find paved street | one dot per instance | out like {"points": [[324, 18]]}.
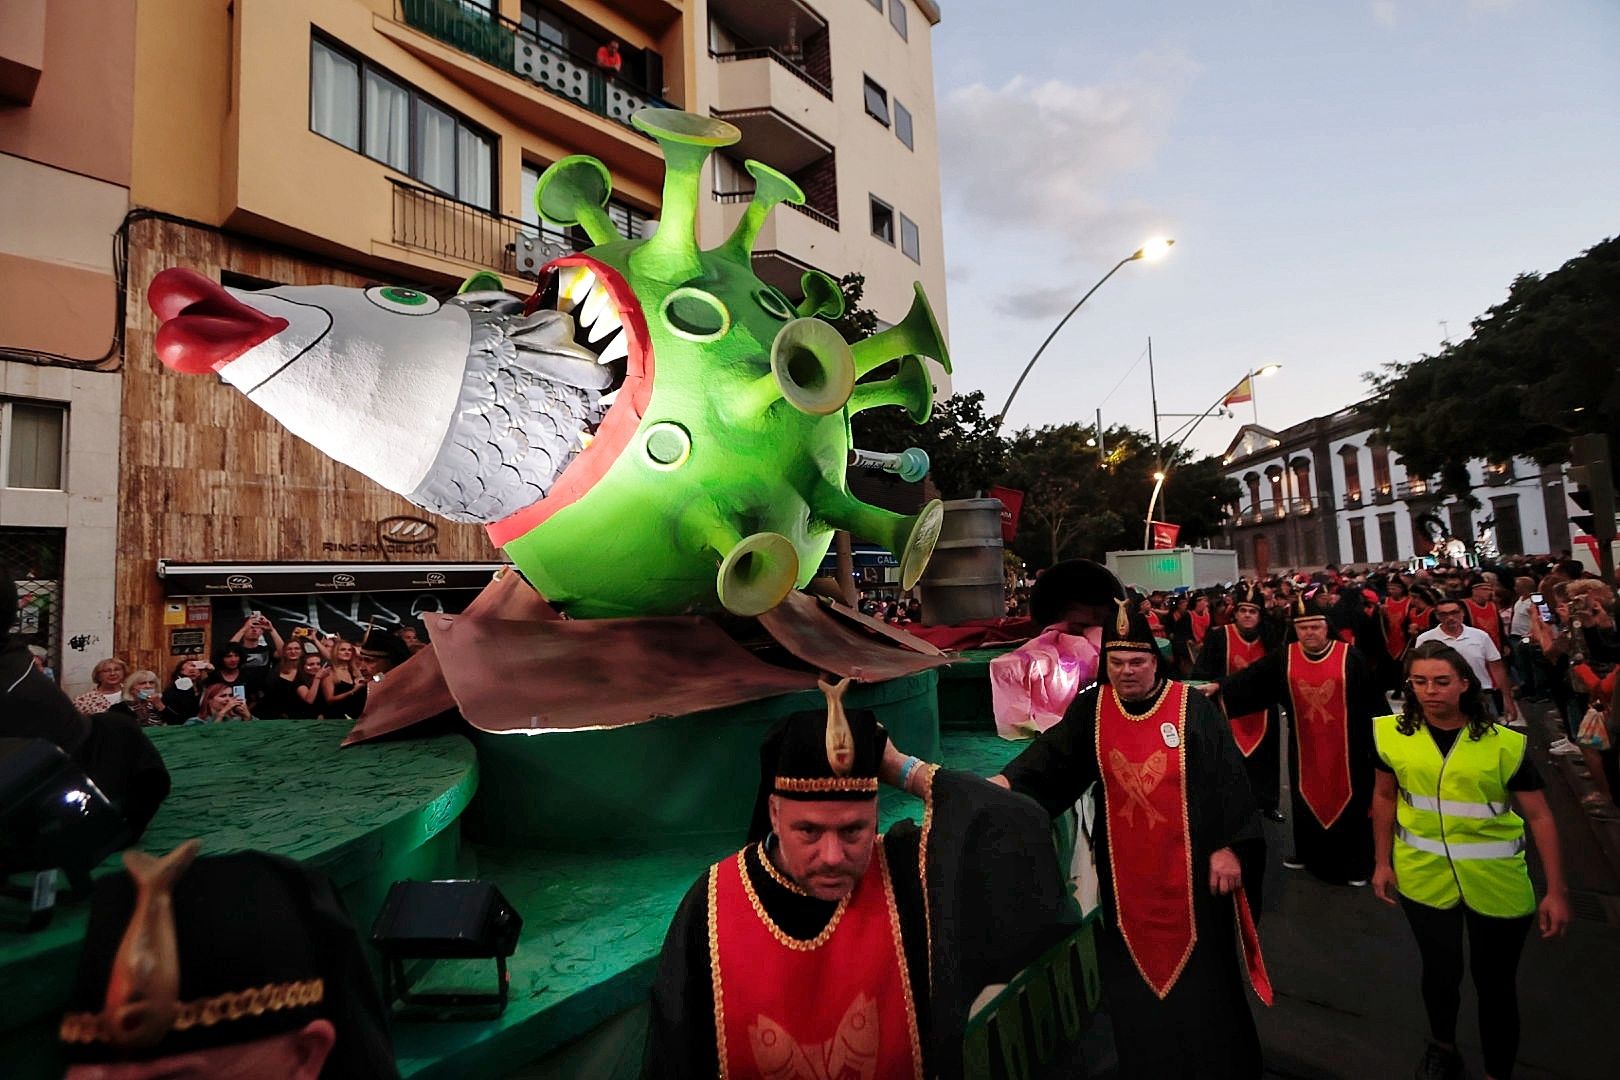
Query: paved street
{"points": [[1346, 972]]}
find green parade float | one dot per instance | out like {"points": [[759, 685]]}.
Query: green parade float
{"points": [[656, 435]]}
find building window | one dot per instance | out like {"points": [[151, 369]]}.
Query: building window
{"points": [[1252, 482], [902, 124], [1498, 473], [897, 16], [1351, 457], [877, 101], [1358, 540], [876, 3], [33, 442], [1509, 530], [910, 240], [1380, 463], [882, 220], [1387, 539], [631, 222], [362, 107]]}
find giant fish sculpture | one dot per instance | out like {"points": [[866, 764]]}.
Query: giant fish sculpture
{"points": [[654, 431]]}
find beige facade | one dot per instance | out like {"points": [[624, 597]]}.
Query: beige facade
{"points": [[66, 80], [827, 92]]}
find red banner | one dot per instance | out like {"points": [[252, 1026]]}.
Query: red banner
{"points": [[1011, 503], [1165, 534]]}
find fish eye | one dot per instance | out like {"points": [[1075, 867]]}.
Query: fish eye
{"points": [[402, 301]]}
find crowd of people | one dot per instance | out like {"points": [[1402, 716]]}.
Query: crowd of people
{"points": [[257, 675]]}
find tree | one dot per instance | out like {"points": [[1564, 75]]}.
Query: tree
{"points": [[964, 448], [1535, 370]]}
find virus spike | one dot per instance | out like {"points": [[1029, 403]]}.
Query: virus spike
{"points": [[770, 188], [573, 191], [482, 281], [911, 539], [686, 140], [916, 335], [910, 388], [812, 367], [755, 572], [822, 296]]}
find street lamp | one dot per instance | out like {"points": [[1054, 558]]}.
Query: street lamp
{"points": [[1152, 251], [1192, 426]]}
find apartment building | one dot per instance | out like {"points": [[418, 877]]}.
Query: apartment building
{"points": [[66, 95], [839, 95], [1325, 491], [400, 141]]}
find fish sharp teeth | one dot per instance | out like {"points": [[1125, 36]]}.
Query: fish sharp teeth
{"points": [[616, 349], [595, 301], [607, 321]]}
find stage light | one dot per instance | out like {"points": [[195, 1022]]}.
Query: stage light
{"points": [[445, 920]]}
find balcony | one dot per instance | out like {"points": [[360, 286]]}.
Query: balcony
{"points": [[777, 106], [788, 244], [504, 44], [432, 222], [1353, 501]]}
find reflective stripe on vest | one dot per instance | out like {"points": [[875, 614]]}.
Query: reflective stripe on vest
{"points": [[1501, 849], [1454, 807], [1457, 839]]}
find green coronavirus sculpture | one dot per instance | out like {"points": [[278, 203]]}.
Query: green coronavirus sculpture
{"points": [[654, 431]]}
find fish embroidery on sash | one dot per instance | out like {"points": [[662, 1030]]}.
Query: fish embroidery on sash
{"points": [[851, 1054], [1138, 782], [1316, 699]]}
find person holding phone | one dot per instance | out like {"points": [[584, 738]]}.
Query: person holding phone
{"points": [[1453, 794], [261, 646], [221, 703]]}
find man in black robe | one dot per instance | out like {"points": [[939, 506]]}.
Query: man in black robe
{"points": [[800, 969], [1331, 695], [1199, 1025], [1227, 650]]}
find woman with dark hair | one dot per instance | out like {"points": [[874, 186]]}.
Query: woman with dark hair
{"points": [[228, 668], [280, 699], [185, 689], [1449, 848]]}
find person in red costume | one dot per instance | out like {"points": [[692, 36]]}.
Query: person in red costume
{"points": [[1175, 825], [1227, 651]]}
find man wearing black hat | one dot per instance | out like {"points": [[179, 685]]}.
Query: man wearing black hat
{"points": [[1228, 650], [1332, 697], [243, 966], [378, 653], [1174, 814], [825, 949]]}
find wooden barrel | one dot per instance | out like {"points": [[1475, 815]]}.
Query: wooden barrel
{"points": [[965, 579]]}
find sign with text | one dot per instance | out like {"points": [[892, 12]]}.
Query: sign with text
{"points": [[186, 642]]}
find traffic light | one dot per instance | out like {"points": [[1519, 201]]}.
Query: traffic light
{"points": [[1592, 473]]}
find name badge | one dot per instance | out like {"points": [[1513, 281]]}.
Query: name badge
{"points": [[1171, 738]]}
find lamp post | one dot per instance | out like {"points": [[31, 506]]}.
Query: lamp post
{"points": [[1152, 251], [1163, 470]]}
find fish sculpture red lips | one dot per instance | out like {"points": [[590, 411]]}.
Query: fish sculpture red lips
{"points": [[204, 326]]}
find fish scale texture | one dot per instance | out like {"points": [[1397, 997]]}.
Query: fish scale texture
{"points": [[511, 435]]}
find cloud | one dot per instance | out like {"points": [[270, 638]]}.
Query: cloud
{"points": [[1049, 159], [1044, 303], [1384, 12]]}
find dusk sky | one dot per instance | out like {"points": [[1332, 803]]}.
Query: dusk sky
{"points": [[1340, 177]]}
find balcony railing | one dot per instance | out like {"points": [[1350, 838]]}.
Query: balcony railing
{"points": [[781, 58], [431, 221], [829, 220], [1353, 501], [517, 50]]}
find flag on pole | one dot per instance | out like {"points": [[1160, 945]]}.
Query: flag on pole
{"points": [[1243, 391], [1165, 535]]}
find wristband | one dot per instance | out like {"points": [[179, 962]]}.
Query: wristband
{"points": [[908, 768]]}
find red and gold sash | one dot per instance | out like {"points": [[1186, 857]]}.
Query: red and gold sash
{"points": [[1395, 626], [1249, 728], [1321, 711], [1487, 618], [1142, 760], [1200, 626], [837, 1007]]}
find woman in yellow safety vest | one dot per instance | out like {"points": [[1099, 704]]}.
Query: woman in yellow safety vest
{"points": [[1447, 841]]}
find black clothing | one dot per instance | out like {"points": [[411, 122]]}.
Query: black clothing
{"points": [[1264, 766], [1494, 946], [345, 709], [1344, 852], [280, 701], [110, 747], [1203, 1027], [1524, 778], [182, 704], [994, 895], [34, 707], [157, 716]]}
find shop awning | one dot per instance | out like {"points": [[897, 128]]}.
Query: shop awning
{"points": [[296, 578]]}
